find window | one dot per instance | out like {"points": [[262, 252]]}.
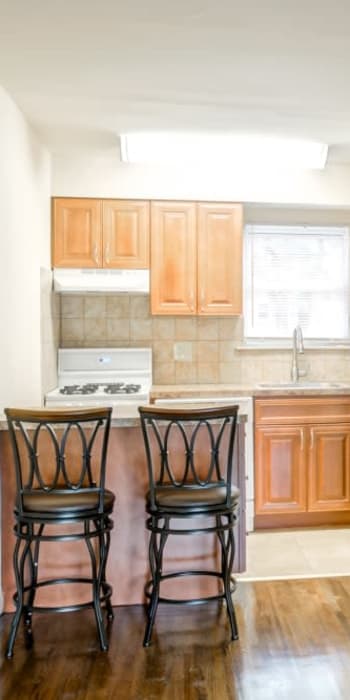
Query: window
{"points": [[296, 275]]}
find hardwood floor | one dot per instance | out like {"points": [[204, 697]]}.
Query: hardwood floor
{"points": [[294, 643]]}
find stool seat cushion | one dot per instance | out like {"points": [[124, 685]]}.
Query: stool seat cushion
{"points": [[53, 503], [194, 496]]}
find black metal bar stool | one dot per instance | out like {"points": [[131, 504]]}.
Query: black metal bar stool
{"points": [[190, 458], [60, 463]]}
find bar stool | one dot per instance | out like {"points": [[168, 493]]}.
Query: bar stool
{"points": [[60, 464], [190, 458]]}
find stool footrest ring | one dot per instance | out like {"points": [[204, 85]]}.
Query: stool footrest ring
{"points": [[189, 601]]}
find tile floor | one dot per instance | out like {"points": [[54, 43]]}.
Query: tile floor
{"points": [[297, 554]]}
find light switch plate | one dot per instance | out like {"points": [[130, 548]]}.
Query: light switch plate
{"points": [[183, 352]]}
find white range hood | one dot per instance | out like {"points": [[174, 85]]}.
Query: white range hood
{"points": [[82, 281]]}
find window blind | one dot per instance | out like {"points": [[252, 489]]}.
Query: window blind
{"points": [[296, 275]]}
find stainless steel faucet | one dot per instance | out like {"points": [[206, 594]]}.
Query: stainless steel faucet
{"points": [[298, 348]]}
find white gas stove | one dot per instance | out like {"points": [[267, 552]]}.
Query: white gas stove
{"points": [[117, 377]]}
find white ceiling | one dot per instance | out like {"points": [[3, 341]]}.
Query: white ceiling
{"points": [[84, 71]]}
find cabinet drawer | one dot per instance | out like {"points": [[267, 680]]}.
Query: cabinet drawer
{"points": [[302, 410]]}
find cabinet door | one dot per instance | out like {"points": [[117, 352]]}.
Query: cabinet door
{"points": [[77, 235], [173, 258], [280, 470], [219, 259], [125, 226], [329, 468]]}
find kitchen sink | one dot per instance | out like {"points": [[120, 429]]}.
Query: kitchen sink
{"points": [[302, 385]]}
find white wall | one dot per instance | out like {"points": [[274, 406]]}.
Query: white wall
{"points": [[24, 248], [99, 173]]}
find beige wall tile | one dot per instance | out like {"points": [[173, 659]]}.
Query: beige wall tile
{"points": [[118, 306], [185, 372], [124, 320], [72, 329], [207, 328], [95, 332], [72, 306], [95, 306], [185, 328], [207, 373], [163, 352], [230, 372], [228, 328], [118, 329], [207, 351], [164, 373], [140, 306], [226, 350], [140, 330], [163, 328], [238, 330]]}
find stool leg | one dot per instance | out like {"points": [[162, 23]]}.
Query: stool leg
{"points": [[34, 564], [106, 545], [227, 557], [19, 561], [156, 564], [96, 584]]}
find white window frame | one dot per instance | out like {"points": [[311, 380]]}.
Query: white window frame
{"points": [[252, 335]]}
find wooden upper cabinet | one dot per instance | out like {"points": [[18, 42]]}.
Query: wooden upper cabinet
{"points": [[219, 259], [125, 226], [100, 233], [173, 258], [77, 236], [196, 258]]}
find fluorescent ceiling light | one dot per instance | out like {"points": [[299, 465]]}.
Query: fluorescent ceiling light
{"points": [[221, 148]]}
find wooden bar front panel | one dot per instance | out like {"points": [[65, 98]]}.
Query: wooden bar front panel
{"points": [[128, 567]]}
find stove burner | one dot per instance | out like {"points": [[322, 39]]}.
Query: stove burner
{"points": [[121, 388], [80, 389]]}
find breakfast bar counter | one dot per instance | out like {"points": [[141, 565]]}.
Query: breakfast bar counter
{"points": [[127, 569]]}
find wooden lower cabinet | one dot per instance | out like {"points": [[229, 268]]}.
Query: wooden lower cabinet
{"points": [[329, 468], [302, 465], [280, 484]]}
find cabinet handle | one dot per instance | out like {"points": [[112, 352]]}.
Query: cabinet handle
{"points": [[95, 254], [192, 300], [301, 440], [311, 439], [107, 253]]}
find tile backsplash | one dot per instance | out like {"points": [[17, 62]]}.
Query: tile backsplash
{"points": [[196, 350]]}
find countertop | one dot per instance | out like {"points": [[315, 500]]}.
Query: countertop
{"points": [[174, 391], [130, 418]]}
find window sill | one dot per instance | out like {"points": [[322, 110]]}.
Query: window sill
{"points": [[271, 345]]}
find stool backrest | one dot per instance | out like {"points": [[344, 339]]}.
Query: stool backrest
{"points": [[59, 451], [188, 448]]}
